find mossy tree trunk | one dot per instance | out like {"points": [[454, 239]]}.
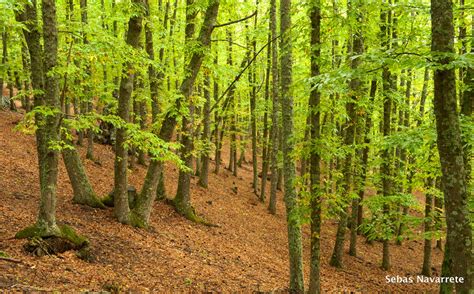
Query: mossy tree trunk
{"points": [[275, 107], [83, 191], [143, 204], [121, 206], [458, 254], [182, 200], [291, 197], [42, 62], [206, 133]]}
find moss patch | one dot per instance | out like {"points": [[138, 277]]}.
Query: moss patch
{"points": [[4, 254], [32, 231], [68, 233], [43, 242], [109, 200]]}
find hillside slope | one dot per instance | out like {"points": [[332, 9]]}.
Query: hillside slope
{"points": [[247, 252]]}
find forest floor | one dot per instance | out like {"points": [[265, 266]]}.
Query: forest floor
{"points": [[246, 253]]}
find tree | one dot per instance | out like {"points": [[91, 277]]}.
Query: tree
{"points": [[293, 223], [458, 254], [47, 117], [275, 110], [315, 157], [121, 206], [142, 210]]}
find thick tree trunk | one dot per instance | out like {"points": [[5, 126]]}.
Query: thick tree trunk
{"points": [[458, 254], [291, 197], [83, 191], [48, 127]]}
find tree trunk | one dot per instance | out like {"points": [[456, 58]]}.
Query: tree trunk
{"points": [[458, 254], [48, 127], [265, 152], [291, 197], [121, 206], [315, 157], [206, 133], [387, 86], [182, 200], [426, 269], [143, 204], [4, 57], [365, 152], [83, 191], [275, 106], [253, 115]]}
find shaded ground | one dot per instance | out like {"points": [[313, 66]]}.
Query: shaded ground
{"points": [[247, 252]]}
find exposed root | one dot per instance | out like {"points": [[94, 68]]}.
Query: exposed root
{"points": [[92, 201], [189, 213], [46, 242]]}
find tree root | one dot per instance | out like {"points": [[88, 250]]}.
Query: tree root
{"points": [[92, 201], [189, 213], [46, 242]]}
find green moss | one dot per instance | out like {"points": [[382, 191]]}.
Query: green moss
{"points": [[93, 201], [30, 232], [68, 233], [108, 200], [137, 221], [189, 213], [4, 254]]}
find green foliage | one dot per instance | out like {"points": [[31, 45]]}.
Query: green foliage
{"points": [[385, 216]]}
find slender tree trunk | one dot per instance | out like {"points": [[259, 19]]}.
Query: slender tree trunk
{"points": [[121, 206], [315, 157], [4, 57], [206, 133], [365, 153], [253, 115], [458, 254], [275, 108], [356, 87], [387, 86], [426, 269], [265, 152]]}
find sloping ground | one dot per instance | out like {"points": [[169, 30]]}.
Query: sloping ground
{"points": [[247, 252]]}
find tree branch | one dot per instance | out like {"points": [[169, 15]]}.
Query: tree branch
{"points": [[235, 21]]}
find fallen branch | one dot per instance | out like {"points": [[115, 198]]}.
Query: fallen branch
{"points": [[10, 259]]}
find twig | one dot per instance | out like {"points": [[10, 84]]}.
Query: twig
{"points": [[235, 21], [10, 259]]}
